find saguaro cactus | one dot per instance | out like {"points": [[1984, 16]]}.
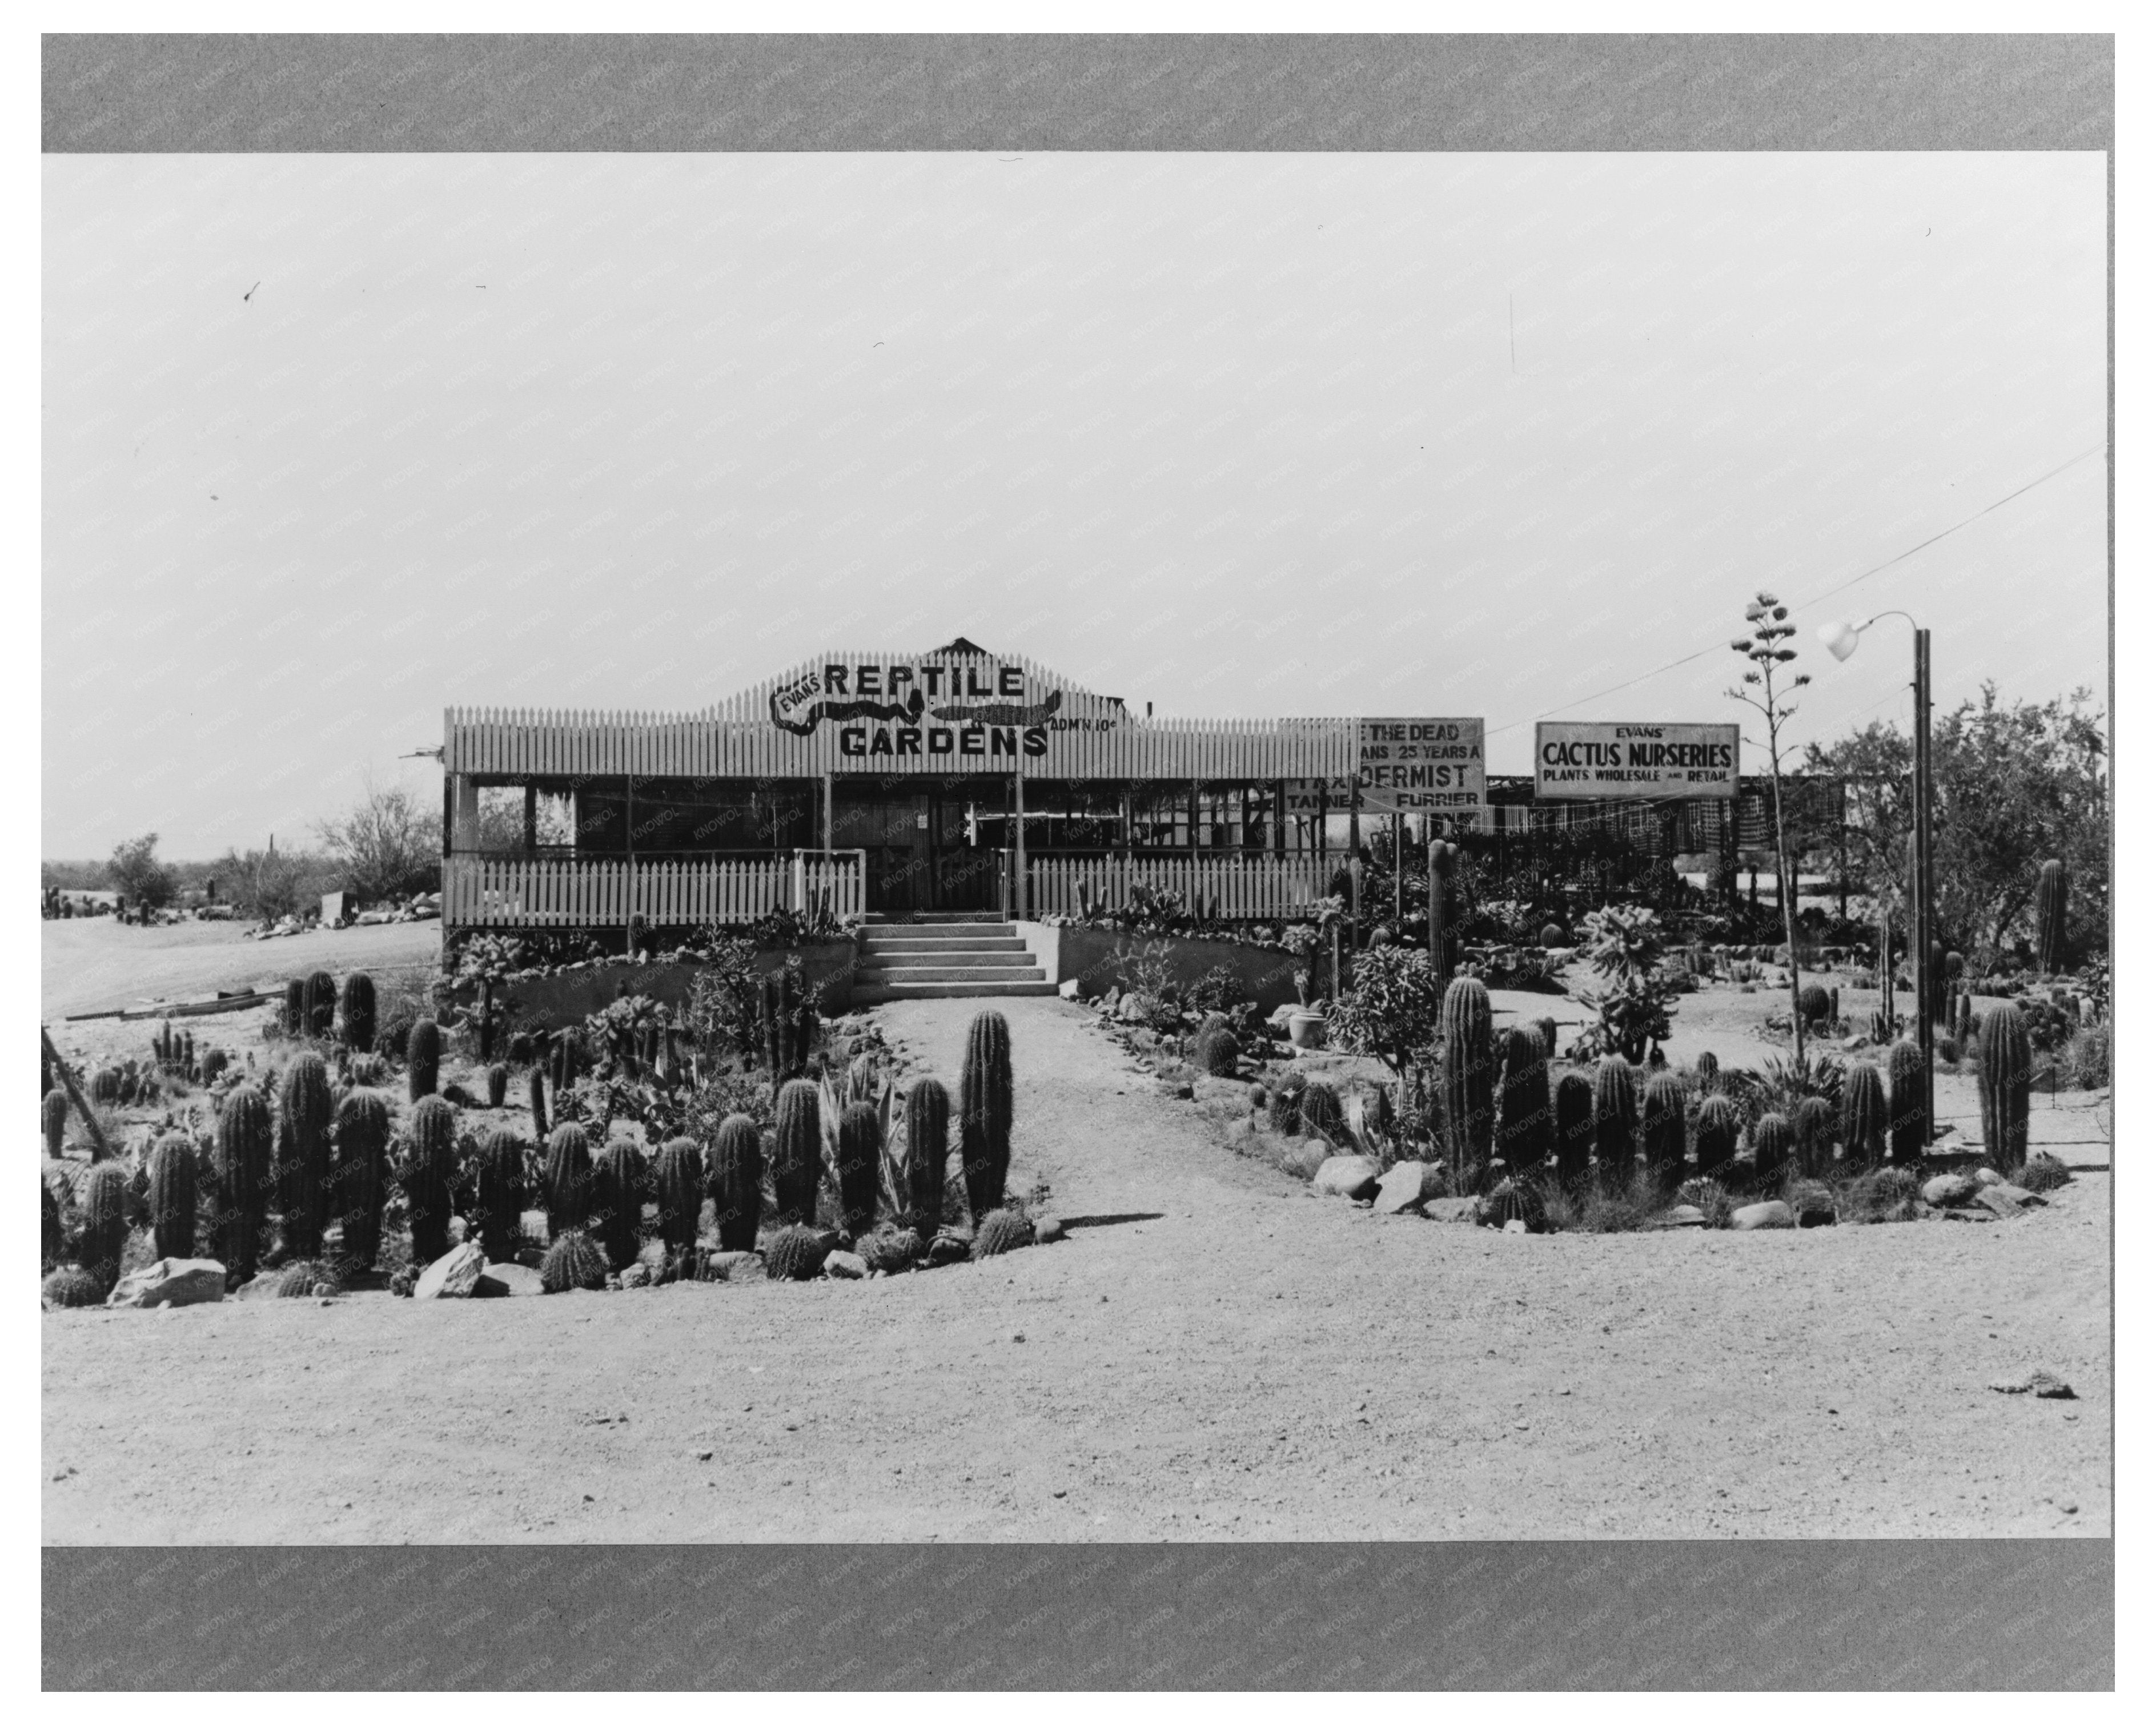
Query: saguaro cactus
{"points": [[361, 1173], [2051, 917], [797, 1156], [568, 1180], [1863, 1115], [498, 1182], [303, 1153], [736, 1182], [1464, 1028], [430, 1176], [1442, 858], [860, 1163], [172, 1196], [1714, 1135], [1662, 1126], [422, 1059], [617, 1195], [1905, 1110], [927, 1152], [678, 1180], [984, 1113], [1524, 1126], [2002, 1086], [243, 1177], [1616, 1119], [359, 1012], [1575, 1126]]}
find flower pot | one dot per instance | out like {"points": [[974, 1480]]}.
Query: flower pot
{"points": [[1307, 1029]]}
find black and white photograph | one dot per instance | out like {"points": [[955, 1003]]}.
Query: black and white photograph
{"points": [[1074, 847]]}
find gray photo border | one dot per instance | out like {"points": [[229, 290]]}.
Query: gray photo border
{"points": [[1823, 1615]]}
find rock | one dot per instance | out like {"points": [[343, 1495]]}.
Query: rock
{"points": [[1113, 998], [1449, 1210], [1814, 1208], [452, 1276], [652, 1256], [1989, 1176], [1400, 1188], [735, 1266], [1946, 1191], [949, 1249], [1682, 1215], [1179, 1092], [1773, 1214], [1347, 1176], [2045, 1385], [1280, 1016], [506, 1281], [845, 1267], [2006, 1202], [1130, 1009], [171, 1281], [1047, 1229], [1515, 1226], [1068, 989], [1968, 1214], [637, 1275]]}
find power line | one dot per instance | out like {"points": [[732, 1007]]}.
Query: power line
{"points": [[1827, 593]]}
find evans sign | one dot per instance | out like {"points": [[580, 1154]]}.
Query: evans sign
{"points": [[1603, 761]]}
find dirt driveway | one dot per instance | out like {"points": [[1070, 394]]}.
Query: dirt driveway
{"points": [[93, 964], [1214, 1353]]}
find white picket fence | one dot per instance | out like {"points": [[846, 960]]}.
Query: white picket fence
{"points": [[518, 892], [1249, 888]]}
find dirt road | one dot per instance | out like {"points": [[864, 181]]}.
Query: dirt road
{"points": [[93, 964], [1214, 1353]]}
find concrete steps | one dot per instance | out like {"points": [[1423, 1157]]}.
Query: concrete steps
{"points": [[949, 958]]}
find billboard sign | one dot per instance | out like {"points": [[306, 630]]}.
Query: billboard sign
{"points": [[1603, 761]]}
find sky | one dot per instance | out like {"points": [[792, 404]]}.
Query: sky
{"points": [[333, 443]]}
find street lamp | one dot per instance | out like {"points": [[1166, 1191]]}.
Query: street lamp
{"points": [[1841, 639]]}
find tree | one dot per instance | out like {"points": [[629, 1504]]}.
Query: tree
{"points": [[137, 875], [388, 845], [2016, 783], [1389, 1007], [1770, 627]]}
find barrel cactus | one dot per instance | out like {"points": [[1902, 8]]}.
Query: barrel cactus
{"points": [[568, 1179], [1813, 1001], [498, 1192], [71, 1285], [1904, 1097], [617, 1200], [430, 1176], [1546, 1028], [1218, 1051], [1813, 1125], [104, 1222], [2051, 917], [860, 1166], [104, 1085], [52, 1118], [520, 1048], [1470, 1103], [573, 1261], [985, 1112], [1863, 1115], [2002, 1086], [497, 1086], [1710, 1070], [927, 1152], [1773, 1140], [1552, 935], [1001, 1231], [536, 1098], [304, 1278], [304, 1118], [1321, 1114], [52, 1237], [1575, 1126], [243, 1177], [678, 1178], [294, 1019], [794, 1253], [359, 1175], [214, 1060], [321, 1004], [1284, 1105], [1616, 1119], [890, 1250], [1524, 1129], [172, 1196], [1662, 1126], [359, 1012], [1714, 1136], [736, 1182], [422, 1059], [797, 1151]]}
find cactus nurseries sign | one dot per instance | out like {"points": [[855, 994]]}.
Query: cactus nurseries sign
{"points": [[1604, 760]]}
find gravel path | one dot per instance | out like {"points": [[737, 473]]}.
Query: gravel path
{"points": [[1214, 1353]]}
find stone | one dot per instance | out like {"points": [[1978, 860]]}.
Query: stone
{"points": [[1130, 1009], [1068, 989], [1682, 1215], [2007, 1203], [637, 1275], [735, 1266], [1515, 1226], [845, 1267], [1773, 1214], [1047, 1229], [1113, 998], [1400, 1188], [1989, 1176], [2045, 1385], [1347, 1176], [1449, 1210], [171, 1281], [451, 1276], [506, 1281], [1947, 1191], [948, 1249], [652, 1256]]}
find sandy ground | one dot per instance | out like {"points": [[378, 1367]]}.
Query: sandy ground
{"points": [[94, 964], [1212, 1353]]}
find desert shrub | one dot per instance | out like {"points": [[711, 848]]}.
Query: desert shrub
{"points": [[1886, 1194], [2042, 1172], [2085, 1060], [1711, 1198], [1583, 1208], [1216, 991], [1625, 946]]}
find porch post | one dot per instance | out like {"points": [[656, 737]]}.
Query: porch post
{"points": [[1018, 822]]}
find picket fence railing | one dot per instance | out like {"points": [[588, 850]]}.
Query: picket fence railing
{"points": [[1246, 888], [521, 892]]}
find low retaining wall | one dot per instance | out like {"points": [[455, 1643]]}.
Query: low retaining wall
{"points": [[567, 997], [1093, 957]]}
